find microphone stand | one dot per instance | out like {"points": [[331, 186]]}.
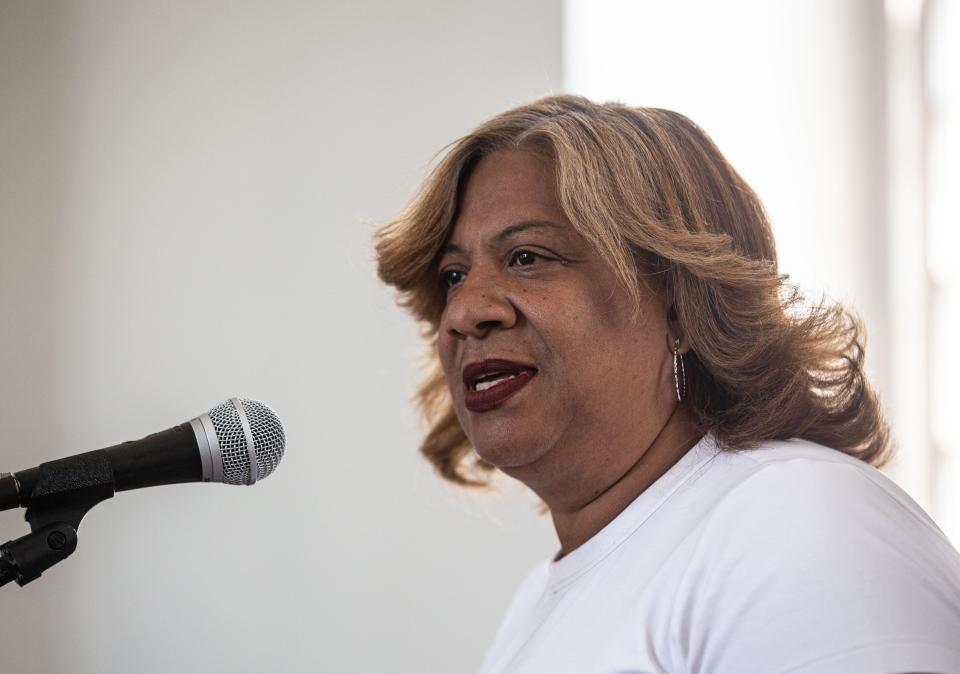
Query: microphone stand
{"points": [[64, 491]]}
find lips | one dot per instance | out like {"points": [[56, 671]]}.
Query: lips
{"points": [[491, 382]]}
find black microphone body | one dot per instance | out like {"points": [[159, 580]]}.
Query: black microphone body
{"points": [[168, 457], [239, 441]]}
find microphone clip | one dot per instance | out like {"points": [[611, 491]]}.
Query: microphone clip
{"points": [[64, 492]]}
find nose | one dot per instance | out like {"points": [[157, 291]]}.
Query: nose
{"points": [[479, 305]]}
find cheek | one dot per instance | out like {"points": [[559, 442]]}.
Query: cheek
{"points": [[447, 353], [446, 357], [601, 350]]}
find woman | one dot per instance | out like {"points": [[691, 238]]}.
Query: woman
{"points": [[601, 293]]}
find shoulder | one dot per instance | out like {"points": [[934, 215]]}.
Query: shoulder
{"points": [[801, 484], [820, 505], [801, 473], [805, 483], [816, 545]]}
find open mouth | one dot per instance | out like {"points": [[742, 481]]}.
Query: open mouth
{"points": [[492, 382], [489, 381]]}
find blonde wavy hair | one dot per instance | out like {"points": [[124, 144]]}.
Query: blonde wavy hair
{"points": [[652, 194]]}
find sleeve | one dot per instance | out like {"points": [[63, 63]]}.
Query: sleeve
{"points": [[816, 567]]}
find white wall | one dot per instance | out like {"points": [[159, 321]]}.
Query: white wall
{"points": [[186, 192]]}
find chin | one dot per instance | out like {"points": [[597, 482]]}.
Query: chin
{"points": [[504, 441], [506, 455]]}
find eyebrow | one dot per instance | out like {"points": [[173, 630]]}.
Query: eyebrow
{"points": [[506, 233]]}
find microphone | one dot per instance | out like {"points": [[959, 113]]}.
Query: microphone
{"points": [[239, 441]]}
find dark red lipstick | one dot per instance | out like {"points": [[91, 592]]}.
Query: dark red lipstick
{"points": [[491, 382]]}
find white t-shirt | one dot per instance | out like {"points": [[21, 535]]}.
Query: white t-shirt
{"points": [[788, 558]]}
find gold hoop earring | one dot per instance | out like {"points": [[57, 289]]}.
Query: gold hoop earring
{"points": [[679, 371]]}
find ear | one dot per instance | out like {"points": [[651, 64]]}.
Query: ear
{"points": [[675, 331]]}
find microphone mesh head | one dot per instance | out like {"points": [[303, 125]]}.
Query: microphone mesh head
{"points": [[269, 439]]}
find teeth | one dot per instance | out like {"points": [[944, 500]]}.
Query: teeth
{"points": [[490, 383]]}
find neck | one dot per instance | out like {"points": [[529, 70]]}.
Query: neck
{"points": [[578, 521]]}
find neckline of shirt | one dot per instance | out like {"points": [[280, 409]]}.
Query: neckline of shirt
{"points": [[564, 571]]}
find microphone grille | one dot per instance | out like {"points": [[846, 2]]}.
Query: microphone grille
{"points": [[266, 431]]}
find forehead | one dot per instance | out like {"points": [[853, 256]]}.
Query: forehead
{"points": [[505, 188]]}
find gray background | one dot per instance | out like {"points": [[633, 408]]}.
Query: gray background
{"points": [[187, 196]]}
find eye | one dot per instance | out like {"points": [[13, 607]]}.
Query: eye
{"points": [[450, 278], [525, 258]]}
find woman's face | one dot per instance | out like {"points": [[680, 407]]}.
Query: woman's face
{"points": [[579, 381]]}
